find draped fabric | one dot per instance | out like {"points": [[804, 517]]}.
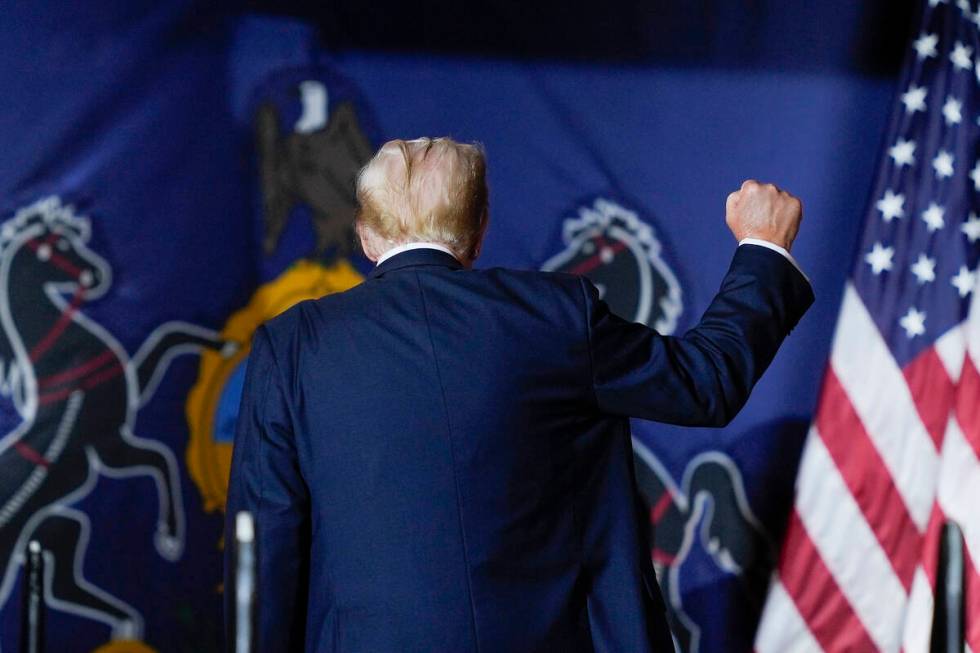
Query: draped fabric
{"points": [[173, 175]]}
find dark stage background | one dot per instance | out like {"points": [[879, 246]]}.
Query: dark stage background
{"points": [[205, 143]]}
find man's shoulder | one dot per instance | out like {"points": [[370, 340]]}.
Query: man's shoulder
{"points": [[291, 318], [279, 329], [287, 324], [544, 278], [351, 303], [497, 276]]}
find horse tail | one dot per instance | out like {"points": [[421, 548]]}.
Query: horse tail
{"points": [[167, 341]]}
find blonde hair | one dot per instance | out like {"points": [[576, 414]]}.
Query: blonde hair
{"points": [[431, 190]]}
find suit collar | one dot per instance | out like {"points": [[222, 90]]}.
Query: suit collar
{"points": [[414, 258]]}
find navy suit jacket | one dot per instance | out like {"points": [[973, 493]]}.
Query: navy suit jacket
{"points": [[439, 459]]}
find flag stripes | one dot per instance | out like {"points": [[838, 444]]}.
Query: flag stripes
{"points": [[827, 615], [857, 570], [868, 373], [868, 481]]}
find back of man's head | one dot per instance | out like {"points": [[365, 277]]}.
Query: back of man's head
{"points": [[423, 190]]}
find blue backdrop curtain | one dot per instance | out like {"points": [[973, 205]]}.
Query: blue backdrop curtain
{"points": [[166, 131]]}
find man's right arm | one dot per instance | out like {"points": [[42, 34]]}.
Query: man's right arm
{"points": [[705, 376]]}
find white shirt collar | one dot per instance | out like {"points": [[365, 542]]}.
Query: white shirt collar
{"points": [[407, 246]]}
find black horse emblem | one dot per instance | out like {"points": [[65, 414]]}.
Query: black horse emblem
{"points": [[313, 164], [621, 255], [76, 393]]}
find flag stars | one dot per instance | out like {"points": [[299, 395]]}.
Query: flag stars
{"points": [[903, 152], [924, 269], [925, 45], [891, 206], [960, 56], [964, 281], [914, 99], [914, 322], [952, 111], [880, 258], [975, 176], [933, 217], [943, 164], [972, 228]]}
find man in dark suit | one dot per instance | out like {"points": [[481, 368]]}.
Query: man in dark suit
{"points": [[439, 459]]}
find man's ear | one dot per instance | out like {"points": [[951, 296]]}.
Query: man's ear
{"points": [[478, 245], [369, 241]]}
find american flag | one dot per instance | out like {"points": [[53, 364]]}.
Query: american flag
{"points": [[894, 449]]}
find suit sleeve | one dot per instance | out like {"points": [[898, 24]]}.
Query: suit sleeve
{"points": [[266, 480], [704, 377]]}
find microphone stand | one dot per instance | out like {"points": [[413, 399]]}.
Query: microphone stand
{"points": [[32, 621], [246, 583]]}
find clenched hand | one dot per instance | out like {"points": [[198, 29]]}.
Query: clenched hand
{"points": [[765, 212]]}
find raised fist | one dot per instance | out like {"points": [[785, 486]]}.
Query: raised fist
{"points": [[763, 211]]}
